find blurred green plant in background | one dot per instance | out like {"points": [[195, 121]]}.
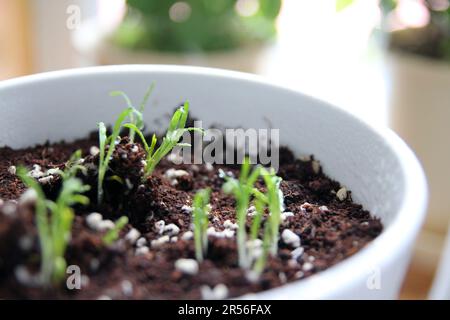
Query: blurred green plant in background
{"points": [[432, 40], [197, 25]]}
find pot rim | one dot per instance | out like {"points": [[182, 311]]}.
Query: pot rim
{"points": [[392, 242]]}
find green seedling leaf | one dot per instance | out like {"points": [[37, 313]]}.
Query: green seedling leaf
{"points": [[113, 234]]}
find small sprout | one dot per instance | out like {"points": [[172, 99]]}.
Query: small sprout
{"points": [[171, 140], [105, 157], [113, 234], [136, 117], [71, 167], [54, 222], [272, 183], [200, 213], [242, 190]]}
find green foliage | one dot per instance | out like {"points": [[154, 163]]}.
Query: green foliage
{"points": [[73, 166], [243, 190], [342, 4], [273, 202], [104, 140], [136, 117], [203, 25], [113, 234], [54, 221], [175, 131], [200, 214]]}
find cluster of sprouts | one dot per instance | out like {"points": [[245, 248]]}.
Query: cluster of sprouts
{"points": [[175, 131], [154, 154], [54, 218], [244, 191]]}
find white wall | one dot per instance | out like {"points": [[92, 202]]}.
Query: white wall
{"points": [[52, 23]]}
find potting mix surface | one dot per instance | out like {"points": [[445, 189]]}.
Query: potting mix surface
{"points": [[142, 263]]}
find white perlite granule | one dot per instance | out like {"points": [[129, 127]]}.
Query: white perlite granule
{"points": [[172, 229], [219, 292], [132, 236], [187, 266], [159, 226], [106, 225], [142, 250], [36, 172], [28, 197], [160, 241], [226, 233], [188, 235], [297, 253], [45, 180], [134, 149], [341, 194], [251, 211], [286, 214], [307, 266], [186, 209], [93, 220], [290, 238], [209, 166], [141, 242], [230, 225], [94, 150], [12, 170], [127, 288]]}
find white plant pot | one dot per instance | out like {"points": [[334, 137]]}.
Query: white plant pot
{"points": [[441, 285], [420, 114], [94, 46], [374, 163]]}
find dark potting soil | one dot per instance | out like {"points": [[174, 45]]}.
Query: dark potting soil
{"points": [[330, 225]]}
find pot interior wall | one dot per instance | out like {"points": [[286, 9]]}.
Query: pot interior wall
{"points": [[69, 106]]}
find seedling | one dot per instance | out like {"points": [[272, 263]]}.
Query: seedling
{"points": [[54, 223], [136, 117], [200, 212], [105, 157], [173, 135], [243, 189], [73, 166], [113, 234], [272, 200]]}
